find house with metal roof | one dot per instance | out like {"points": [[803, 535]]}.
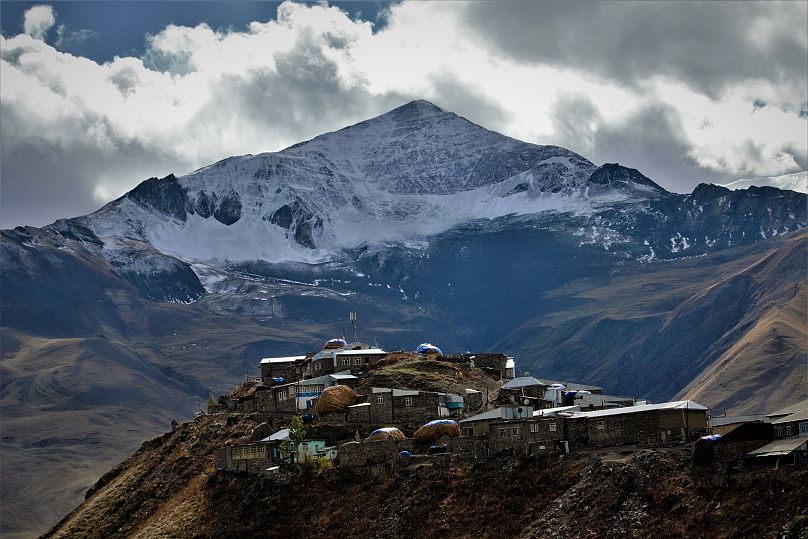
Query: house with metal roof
{"points": [[646, 424], [354, 357], [278, 369], [788, 410], [795, 424], [793, 450], [478, 425]]}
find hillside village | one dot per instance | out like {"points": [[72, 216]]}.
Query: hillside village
{"points": [[361, 407]]}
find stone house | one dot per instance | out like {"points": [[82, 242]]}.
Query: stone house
{"points": [[723, 425], [404, 406], [252, 458], [790, 444], [480, 424], [647, 424], [353, 358], [273, 368], [530, 436], [723, 452], [795, 424]]}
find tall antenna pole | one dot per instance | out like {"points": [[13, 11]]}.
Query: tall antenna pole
{"points": [[352, 317]]}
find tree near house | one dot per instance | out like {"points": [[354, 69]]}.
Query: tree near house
{"points": [[297, 433]]}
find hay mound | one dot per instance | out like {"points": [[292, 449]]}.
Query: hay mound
{"points": [[335, 399], [385, 433], [335, 344], [434, 430], [426, 349]]}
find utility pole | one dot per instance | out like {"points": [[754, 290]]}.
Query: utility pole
{"points": [[352, 318]]}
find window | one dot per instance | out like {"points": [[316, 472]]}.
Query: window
{"points": [[600, 425], [552, 427], [503, 432], [346, 361], [357, 361], [779, 432], [534, 427], [380, 400], [407, 401], [788, 430], [515, 431]]}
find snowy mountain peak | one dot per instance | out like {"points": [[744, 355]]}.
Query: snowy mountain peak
{"points": [[419, 107], [412, 172]]}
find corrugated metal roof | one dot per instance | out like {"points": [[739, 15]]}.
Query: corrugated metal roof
{"points": [[788, 410], [802, 415], [288, 359], [524, 381], [675, 405], [365, 352], [405, 392], [719, 421], [343, 376], [496, 413], [553, 411], [282, 434], [573, 386], [779, 447]]}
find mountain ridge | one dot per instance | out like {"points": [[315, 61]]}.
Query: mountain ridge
{"points": [[160, 275]]}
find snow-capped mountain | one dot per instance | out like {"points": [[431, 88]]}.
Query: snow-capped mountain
{"points": [[796, 181], [415, 171], [405, 178], [435, 230]]}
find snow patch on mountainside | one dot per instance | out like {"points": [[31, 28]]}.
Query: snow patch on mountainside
{"points": [[797, 181]]}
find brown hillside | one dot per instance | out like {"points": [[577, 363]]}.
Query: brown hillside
{"points": [[731, 329], [169, 488]]}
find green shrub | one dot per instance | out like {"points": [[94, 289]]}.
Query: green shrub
{"points": [[798, 527]]}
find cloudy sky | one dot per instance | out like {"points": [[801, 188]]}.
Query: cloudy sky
{"points": [[97, 97]]}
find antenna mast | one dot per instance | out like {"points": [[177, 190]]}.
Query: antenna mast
{"points": [[352, 318]]}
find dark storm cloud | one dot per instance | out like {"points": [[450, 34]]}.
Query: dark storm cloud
{"points": [[43, 180], [707, 45], [300, 98], [651, 140]]}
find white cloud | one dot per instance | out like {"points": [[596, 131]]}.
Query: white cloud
{"points": [[199, 95], [37, 20]]}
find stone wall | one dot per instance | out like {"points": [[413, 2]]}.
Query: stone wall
{"points": [[473, 402], [621, 429], [421, 409], [248, 458], [363, 454]]}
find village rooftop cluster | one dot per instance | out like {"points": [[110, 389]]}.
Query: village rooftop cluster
{"points": [[384, 429]]}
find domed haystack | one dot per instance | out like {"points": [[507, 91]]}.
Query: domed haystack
{"points": [[429, 350], [335, 344], [385, 433], [435, 430], [335, 399]]}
